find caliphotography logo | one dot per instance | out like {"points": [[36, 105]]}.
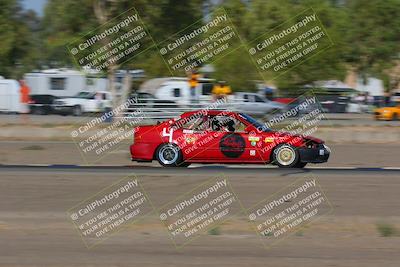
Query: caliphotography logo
{"points": [[200, 210], [107, 212]]}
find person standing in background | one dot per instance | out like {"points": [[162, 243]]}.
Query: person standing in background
{"points": [[193, 82], [221, 91], [24, 99]]}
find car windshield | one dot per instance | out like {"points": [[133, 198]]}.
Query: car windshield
{"points": [[255, 123]]}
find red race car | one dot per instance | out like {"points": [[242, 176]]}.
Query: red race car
{"points": [[216, 136]]}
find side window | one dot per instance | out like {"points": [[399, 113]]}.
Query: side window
{"points": [[246, 98], [89, 81], [258, 99], [251, 98], [207, 88], [239, 127], [227, 124], [177, 92], [57, 83], [200, 123]]}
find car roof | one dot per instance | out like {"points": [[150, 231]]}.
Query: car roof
{"points": [[207, 112]]}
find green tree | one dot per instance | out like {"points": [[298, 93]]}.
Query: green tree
{"points": [[259, 17], [17, 46], [373, 36], [328, 64], [62, 23]]}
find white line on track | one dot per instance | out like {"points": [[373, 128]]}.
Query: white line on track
{"points": [[391, 168], [249, 166]]}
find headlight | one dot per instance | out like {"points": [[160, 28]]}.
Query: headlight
{"points": [[327, 148]]}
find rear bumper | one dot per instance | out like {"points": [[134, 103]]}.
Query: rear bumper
{"points": [[142, 152], [315, 155]]}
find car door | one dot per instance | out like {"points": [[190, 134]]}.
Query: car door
{"points": [[236, 145], [91, 102], [194, 138], [252, 106], [261, 105]]}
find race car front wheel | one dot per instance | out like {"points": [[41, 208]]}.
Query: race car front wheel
{"points": [[286, 156], [169, 155]]}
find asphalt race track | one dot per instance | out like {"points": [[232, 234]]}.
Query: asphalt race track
{"points": [[36, 231]]}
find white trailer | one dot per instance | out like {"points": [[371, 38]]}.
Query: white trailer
{"points": [[10, 96], [63, 82], [177, 89]]}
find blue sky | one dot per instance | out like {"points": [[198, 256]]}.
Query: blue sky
{"points": [[36, 5]]}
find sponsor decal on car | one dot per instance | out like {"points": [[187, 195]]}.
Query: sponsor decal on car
{"points": [[170, 134], [254, 138], [232, 145], [268, 140], [190, 139]]}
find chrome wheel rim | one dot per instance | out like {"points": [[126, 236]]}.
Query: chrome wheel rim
{"points": [[168, 155], [286, 155]]}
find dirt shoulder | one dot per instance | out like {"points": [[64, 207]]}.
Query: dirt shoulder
{"points": [[35, 230]]}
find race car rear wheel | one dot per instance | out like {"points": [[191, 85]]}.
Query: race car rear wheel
{"points": [[169, 155], [77, 110], [286, 156]]}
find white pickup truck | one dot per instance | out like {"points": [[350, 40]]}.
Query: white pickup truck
{"points": [[83, 102], [256, 105]]}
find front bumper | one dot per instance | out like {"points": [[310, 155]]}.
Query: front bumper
{"points": [[319, 154]]}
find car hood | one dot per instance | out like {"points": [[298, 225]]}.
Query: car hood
{"points": [[307, 138]]}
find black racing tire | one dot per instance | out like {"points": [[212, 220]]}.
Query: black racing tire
{"points": [[285, 156], [38, 111], [300, 164], [184, 164], [170, 155], [395, 117], [77, 110]]}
